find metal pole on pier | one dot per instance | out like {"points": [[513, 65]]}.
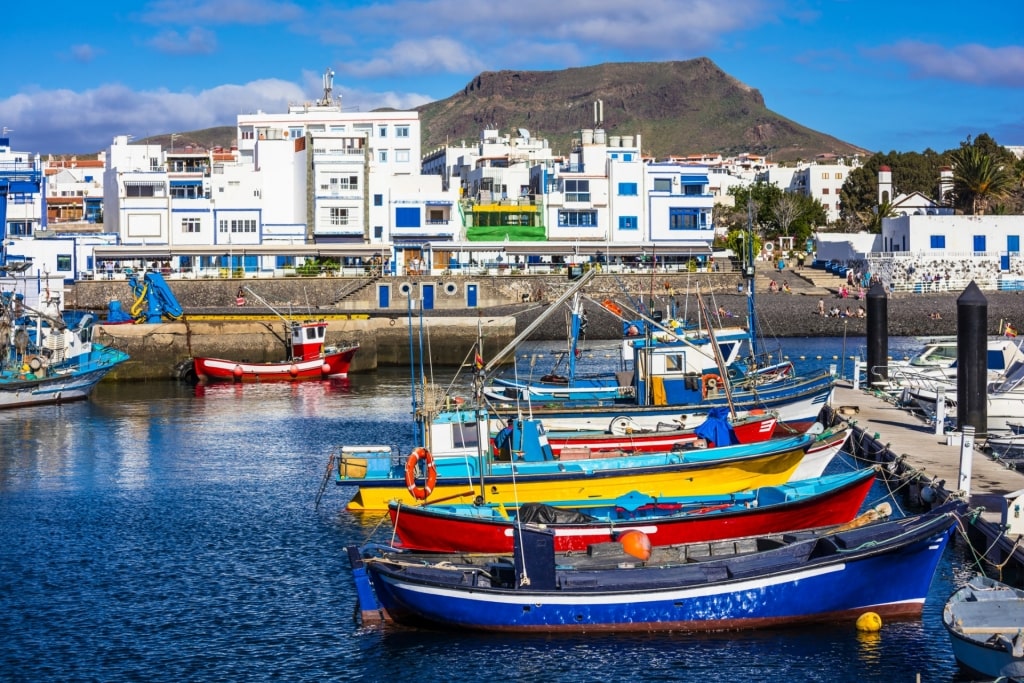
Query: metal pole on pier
{"points": [[966, 462], [878, 335], [971, 360]]}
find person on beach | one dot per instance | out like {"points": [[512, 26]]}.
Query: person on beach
{"points": [[821, 307]]}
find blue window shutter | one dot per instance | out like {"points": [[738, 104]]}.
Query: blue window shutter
{"points": [[407, 217]]}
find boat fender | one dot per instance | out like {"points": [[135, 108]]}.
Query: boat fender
{"points": [[237, 372], [711, 382], [420, 492], [391, 322], [293, 370], [325, 368]]}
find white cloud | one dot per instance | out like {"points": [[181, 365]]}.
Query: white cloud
{"points": [[84, 53], [971, 63], [251, 12], [414, 57], [197, 41], [68, 121]]}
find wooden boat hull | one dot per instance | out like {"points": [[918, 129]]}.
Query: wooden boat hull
{"points": [[690, 473], [331, 364], [834, 500], [806, 578], [984, 620]]}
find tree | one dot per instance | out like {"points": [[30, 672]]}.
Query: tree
{"points": [[979, 178], [765, 198], [787, 210], [911, 172]]}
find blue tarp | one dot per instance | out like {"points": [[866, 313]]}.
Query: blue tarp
{"points": [[716, 428]]}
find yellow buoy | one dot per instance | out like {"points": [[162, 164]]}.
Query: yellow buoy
{"points": [[870, 622]]}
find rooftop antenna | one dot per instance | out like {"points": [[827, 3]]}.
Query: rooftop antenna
{"points": [[328, 87]]}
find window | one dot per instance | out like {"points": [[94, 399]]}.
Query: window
{"points": [[979, 243], [401, 131], [407, 217], [577, 219], [674, 363], [64, 263], [382, 156], [577, 190], [683, 219], [839, 176], [378, 232], [343, 183], [824, 190], [627, 223], [627, 189], [382, 131], [378, 200], [627, 157], [190, 225], [339, 216], [401, 156], [662, 184], [824, 176], [693, 189], [139, 190], [295, 132], [938, 241]]}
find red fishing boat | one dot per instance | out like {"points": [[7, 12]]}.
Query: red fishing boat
{"points": [[489, 528], [624, 436], [310, 359]]}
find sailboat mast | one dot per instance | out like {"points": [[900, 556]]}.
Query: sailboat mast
{"points": [[748, 275]]}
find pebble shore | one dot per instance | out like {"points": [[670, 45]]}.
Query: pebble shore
{"points": [[795, 315]]}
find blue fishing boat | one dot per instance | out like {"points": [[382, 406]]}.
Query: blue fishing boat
{"points": [[985, 622], [48, 357], [753, 582]]}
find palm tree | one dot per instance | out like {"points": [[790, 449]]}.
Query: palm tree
{"points": [[979, 179], [873, 219]]}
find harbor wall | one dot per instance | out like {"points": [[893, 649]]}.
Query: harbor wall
{"points": [[779, 314], [159, 351]]}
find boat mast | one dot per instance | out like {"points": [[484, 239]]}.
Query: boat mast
{"points": [[501, 355], [748, 275]]}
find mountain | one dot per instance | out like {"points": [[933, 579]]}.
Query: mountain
{"points": [[677, 107]]}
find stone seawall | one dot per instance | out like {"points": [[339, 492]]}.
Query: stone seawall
{"points": [[158, 351]]}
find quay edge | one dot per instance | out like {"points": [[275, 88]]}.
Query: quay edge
{"points": [[157, 350], [925, 466]]}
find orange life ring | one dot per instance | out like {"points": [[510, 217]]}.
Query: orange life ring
{"points": [[710, 382], [420, 492]]}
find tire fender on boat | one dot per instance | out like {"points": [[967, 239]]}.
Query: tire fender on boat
{"points": [[420, 492]]}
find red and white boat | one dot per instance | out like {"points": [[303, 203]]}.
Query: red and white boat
{"points": [[490, 528], [310, 359], [623, 436]]}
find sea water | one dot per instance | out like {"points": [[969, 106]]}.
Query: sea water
{"points": [[164, 532]]}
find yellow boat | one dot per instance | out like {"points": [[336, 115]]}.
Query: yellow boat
{"points": [[724, 469]]}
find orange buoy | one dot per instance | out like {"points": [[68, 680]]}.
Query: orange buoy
{"points": [[325, 368], [237, 372], [293, 370], [636, 543], [420, 492]]}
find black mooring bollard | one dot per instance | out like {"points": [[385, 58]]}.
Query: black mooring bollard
{"points": [[972, 360], [878, 334]]}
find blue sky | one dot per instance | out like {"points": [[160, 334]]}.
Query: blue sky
{"points": [[891, 75]]}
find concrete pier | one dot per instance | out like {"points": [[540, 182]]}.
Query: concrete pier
{"points": [[928, 464]]}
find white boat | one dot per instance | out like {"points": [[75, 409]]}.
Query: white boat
{"points": [[935, 365], [45, 358], [985, 623]]}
